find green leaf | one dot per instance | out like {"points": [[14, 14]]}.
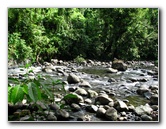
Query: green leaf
{"points": [[25, 89], [17, 94], [34, 92], [27, 66], [48, 93], [9, 93]]}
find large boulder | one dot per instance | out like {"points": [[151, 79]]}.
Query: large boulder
{"points": [[119, 65], [72, 78]]}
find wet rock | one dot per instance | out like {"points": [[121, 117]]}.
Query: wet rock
{"points": [[111, 70], [72, 89], [85, 84], [143, 89], [143, 109], [24, 112], [62, 72], [123, 113], [119, 65], [120, 105], [47, 70], [92, 108], [111, 80], [133, 79], [54, 107], [100, 112], [145, 117], [154, 99], [131, 108], [54, 61], [150, 72], [103, 99], [111, 104], [81, 92], [75, 107], [154, 107], [51, 117], [26, 118], [111, 114], [121, 118], [90, 62], [72, 79], [106, 106], [143, 80], [92, 93], [62, 114], [42, 105], [153, 87], [78, 99], [88, 101], [112, 93]]}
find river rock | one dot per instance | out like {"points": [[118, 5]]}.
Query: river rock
{"points": [[90, 62], [145, 117], [120, 105], [92, 93], [42, 105], [88, 101], [75, 107], [25, 118], [111, 80], [62, 114], [47, 70], [72, 78], [54, 61], [92, 108], [153, 87], [54, 107], [62, 72], [154, 107], [85, 84], [51, 117], [154, 99], [143, 89], [111, 114], [81, 92], [100, 112], [119, 65], [78, 99], [131, 108], [103, 99], [111, 70], [143, 109]]}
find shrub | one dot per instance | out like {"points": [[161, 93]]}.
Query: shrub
{"points": [[79, 59], [17, 48]]}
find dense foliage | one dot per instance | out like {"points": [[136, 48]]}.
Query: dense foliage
{"points": [[40, 34]]}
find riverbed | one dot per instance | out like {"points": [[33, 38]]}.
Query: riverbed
{"points": [[127, 86]]}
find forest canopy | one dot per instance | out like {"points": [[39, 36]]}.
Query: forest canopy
{"points": [[40, 34]]}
